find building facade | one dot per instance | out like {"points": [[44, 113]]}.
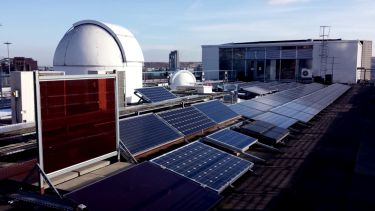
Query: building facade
{"points": [[286, 60], [174, 61]]}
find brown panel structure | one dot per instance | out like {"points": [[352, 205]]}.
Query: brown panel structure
{"points": [[78, 121]]}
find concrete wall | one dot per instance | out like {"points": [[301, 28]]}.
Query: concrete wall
{"points": [[210, 62], [346, 60]]}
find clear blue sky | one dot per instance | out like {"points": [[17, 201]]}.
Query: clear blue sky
{"points": [[35, 27]]}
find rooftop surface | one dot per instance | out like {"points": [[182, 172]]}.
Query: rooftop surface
{"points": [[329, 165]]}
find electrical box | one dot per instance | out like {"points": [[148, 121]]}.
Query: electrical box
{"points": [[22, 98], [22, 89]]}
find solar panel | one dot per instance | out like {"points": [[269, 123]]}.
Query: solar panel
{"points": [[256, 105], [145, 187], [257, 90], [187, 120], [244, 110], [204, 164], [259, 126], [216, 110], [276, 119], [146, 132], [232, 140], [306, 107], [5, 102], [155, 94], [276, 134], [265, 131]]}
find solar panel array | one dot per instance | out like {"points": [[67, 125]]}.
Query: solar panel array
{"points": [[204, 164], [305, 108], [216, 110], [146, 132], [283, 97], [155, 94], [145, 186], [276, 119], [187, 120], [265, 130], [244, 110], [5, 103], [257, 90], [232, 140]]}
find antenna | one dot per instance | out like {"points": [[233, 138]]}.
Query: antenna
{"points": [[324, 36]]}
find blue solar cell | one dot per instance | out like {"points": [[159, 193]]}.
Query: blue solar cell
{"points": [[155, 94], [232, 140], [143, 133], [187, 120], [204, 164], [216, 110]]}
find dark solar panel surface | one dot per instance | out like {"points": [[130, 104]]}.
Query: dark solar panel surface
{"points": [[276, 133], [276, 119], [216, 110], [146, 132], [155, 94], [145, 187], [5, 103], [232, 140], [265, 130], [205, 165], [187, 120], [244, 110]]}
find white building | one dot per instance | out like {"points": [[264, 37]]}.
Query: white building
{"points": [[345, 60], [96, 46]]}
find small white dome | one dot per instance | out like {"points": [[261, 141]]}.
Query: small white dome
{"points": [[182, 78]]}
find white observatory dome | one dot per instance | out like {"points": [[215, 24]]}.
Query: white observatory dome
{"points": [[96, 46], [182, 78]]}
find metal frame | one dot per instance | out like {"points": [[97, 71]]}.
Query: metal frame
{"points": [[38, 123]]}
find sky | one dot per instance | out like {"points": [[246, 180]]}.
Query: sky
{"points": [[35, 27]]}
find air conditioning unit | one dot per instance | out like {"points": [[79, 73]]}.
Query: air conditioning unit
{"points": [[306, 73]]}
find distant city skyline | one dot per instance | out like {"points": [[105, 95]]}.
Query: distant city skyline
{"points": [[35, 27]]}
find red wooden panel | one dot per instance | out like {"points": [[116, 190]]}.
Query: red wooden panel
{"points": [[78, 121]]}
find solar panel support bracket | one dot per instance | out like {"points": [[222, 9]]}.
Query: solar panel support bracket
{"points": [[127, 152]]}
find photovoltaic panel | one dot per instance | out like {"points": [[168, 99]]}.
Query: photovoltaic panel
{"points": [[306, 107], [256, 105], [276, 133], [276, 119], [216, 110], [5, 102], [155, 94], [204, 164], [78, 121], [187, 120], [145, 186], [146, 132], [264, 131], [232, 140], [259, 126], [244, 110]]}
